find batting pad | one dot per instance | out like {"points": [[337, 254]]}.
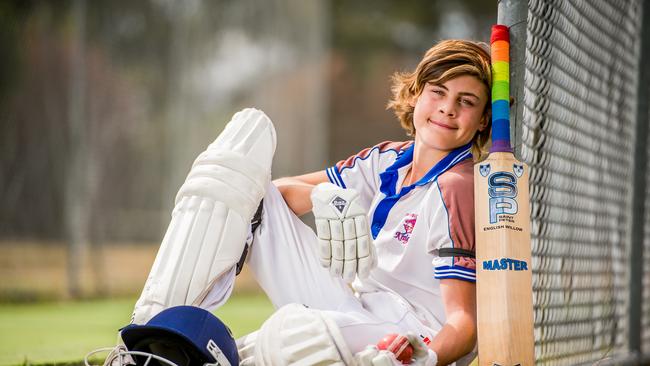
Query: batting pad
{"points": [[211, 217], [298, 336]]}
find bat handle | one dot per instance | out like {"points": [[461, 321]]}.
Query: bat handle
{"points": [[500, 55]]}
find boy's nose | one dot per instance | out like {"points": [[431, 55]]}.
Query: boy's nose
{"points": [[447, 109]]}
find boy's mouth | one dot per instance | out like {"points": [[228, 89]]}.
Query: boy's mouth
{"points": [[442, 124]]}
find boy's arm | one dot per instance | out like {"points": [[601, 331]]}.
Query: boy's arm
{"points": [[296, 191], [345, 247], [458, 335], [455, 340]]}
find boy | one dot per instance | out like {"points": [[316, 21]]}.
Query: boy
{"points": [[396, 220]]}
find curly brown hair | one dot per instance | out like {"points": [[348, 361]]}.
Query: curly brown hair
{"points": [[446, 60]]}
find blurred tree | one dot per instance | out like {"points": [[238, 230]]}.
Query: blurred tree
{"points": [[37, 145], [12, 15]]}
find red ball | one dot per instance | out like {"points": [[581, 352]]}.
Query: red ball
{"points": [[399, 345]]}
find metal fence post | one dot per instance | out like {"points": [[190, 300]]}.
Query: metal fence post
{"points": [[514, 13], [639, 186]]}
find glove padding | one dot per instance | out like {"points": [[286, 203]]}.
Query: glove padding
{"points": [[372, 356], [422, 354], [344, 243]]}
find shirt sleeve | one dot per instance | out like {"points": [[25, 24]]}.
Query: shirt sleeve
{"points": [[457, 195], [361, 171]]}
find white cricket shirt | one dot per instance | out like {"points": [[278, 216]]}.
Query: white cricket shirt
{"points": [[411, 224]]}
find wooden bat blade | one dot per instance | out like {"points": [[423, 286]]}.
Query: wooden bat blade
{"points": [[503, 262]]}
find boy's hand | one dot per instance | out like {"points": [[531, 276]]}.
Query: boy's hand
{"points": [[386, 354], [422, 354], [344, 243], [373, 356]]}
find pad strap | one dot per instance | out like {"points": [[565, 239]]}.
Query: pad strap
{"points": [[455, 252]]}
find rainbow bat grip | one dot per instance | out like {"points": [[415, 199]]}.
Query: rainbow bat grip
{"points": [[500, 50]]}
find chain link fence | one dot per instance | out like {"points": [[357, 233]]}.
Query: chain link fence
{"points": [[576, 70]]}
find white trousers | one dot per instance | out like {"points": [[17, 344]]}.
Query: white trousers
{"points": [[284, 261]]}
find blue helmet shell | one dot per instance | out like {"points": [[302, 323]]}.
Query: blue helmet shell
{"points": [[186, 335]]}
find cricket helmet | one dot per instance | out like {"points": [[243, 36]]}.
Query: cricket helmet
{"points": [[184, 335]]}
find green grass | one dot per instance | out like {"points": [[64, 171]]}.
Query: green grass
{"points": [[56, 333]]}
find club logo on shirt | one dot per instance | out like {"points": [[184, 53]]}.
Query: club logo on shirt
{"points": [[408, 225]]}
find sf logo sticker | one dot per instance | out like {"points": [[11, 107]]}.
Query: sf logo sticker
{"points": [[502, 189], [518, 169], [484, 169]]}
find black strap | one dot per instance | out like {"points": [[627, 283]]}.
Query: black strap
{"points": [[255, 222], [455, 252]]}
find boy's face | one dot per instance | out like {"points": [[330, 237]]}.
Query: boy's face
{"points": [[448, 115]]}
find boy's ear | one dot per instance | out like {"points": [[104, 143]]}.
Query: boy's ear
{"points": [[485, 121]]}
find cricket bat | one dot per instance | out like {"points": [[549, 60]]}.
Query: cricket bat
{"points": [[503, 252]]}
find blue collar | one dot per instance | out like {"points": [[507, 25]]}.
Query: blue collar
{"points": [[391, 174], [389, 181]]}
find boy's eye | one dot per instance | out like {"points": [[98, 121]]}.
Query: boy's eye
{"points": [[467, 102]]}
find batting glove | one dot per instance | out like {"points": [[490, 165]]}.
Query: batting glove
{"points": [[422, 354], [344, 243], [372, 356]]}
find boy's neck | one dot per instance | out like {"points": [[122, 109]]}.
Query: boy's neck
{"points": [[423, 160]]}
